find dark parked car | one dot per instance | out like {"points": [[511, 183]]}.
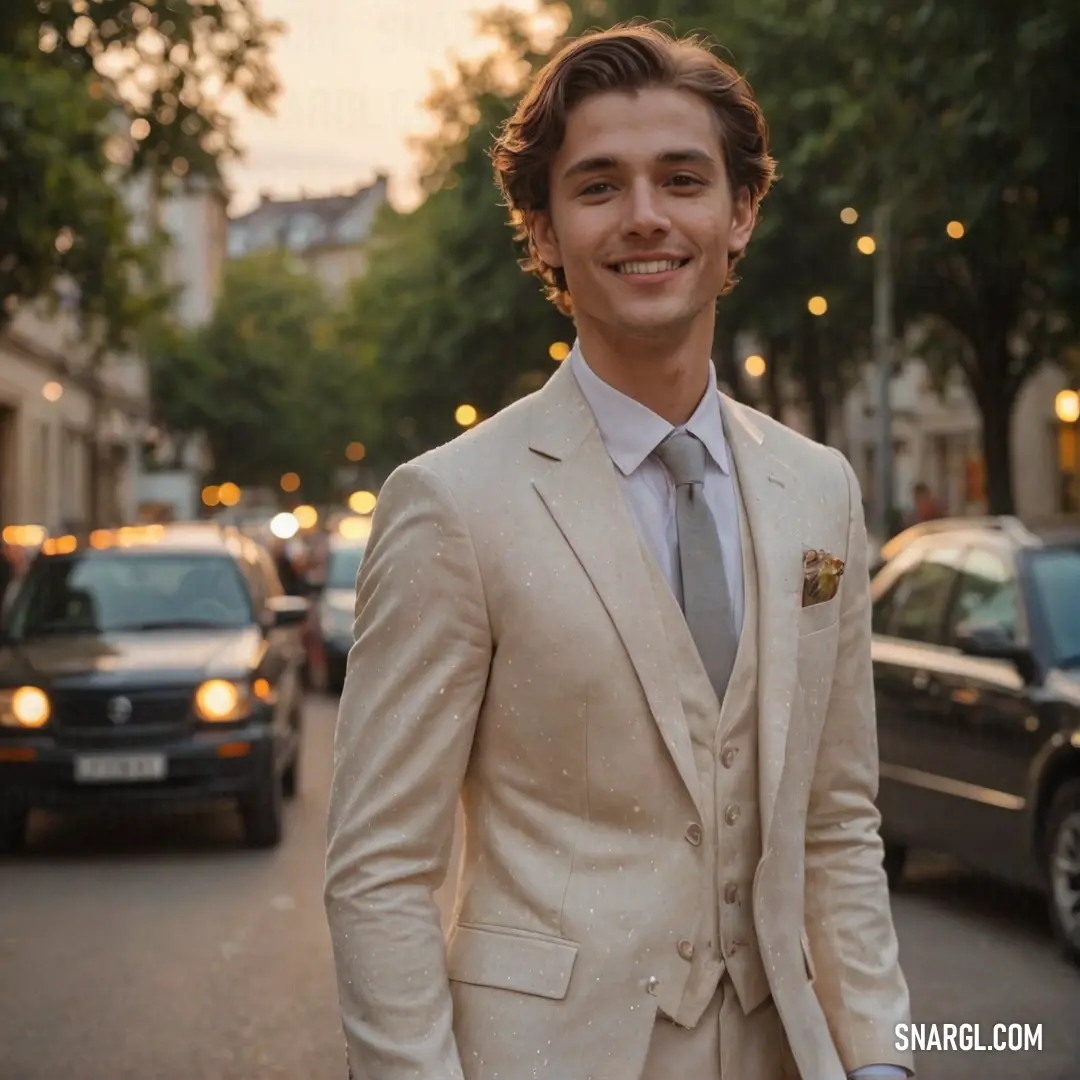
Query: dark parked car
{"points": [[151, 664], [977, 672], [336, 604]]}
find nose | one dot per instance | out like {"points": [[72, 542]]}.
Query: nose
{"points": [[646, 216]]}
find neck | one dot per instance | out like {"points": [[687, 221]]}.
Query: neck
{"points": [[668, 375]]}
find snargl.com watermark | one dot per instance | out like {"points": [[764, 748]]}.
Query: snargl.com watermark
{"points": [[996, 1038]]}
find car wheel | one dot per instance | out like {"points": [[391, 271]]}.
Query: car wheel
{"points": [[1063, 866], [290, 779], [263, 811], [895, 861], [13, 821]]}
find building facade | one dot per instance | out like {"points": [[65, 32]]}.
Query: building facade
{"points": [[52, 397], [328, 234]]}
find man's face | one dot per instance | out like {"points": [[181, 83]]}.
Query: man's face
{"points": [[642, 219]]}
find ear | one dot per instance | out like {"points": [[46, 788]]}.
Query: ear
{"points": [[744, 213], [542, 230]]}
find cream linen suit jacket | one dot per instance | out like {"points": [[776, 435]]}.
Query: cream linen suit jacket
{"points": [[512, 646]]}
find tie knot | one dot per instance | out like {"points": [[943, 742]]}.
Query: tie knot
{"points": [[684, 457]]}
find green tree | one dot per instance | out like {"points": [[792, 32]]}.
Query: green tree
{"points": [[447, 317], [945, 111], [268, 380], [93, 94]]}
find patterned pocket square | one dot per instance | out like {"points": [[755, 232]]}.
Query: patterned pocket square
{"points": [[821, 577]]}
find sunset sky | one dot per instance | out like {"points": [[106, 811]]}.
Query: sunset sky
{"points": [[355, 74]]}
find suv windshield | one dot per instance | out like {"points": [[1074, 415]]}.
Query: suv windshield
{"points": [[342, 567], [106, 592], [1055, 573]]}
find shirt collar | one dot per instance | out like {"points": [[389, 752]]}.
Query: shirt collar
{"points": [[631, 431]]}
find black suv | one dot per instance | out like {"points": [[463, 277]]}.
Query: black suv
{"points": [[977, 674], [155, 663]]}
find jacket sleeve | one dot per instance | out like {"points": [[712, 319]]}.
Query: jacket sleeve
{"points": [[849, 923], [415, 682]]}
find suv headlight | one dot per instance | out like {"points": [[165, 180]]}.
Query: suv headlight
{"points": [[27, 707], [222, 701]]}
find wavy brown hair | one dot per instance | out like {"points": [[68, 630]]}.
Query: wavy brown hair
{"points": [[628, 57]]}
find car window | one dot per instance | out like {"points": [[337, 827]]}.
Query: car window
{"points": [[100, 592], [986, 592], [1055, 581], [343, 566], [918, 601]]}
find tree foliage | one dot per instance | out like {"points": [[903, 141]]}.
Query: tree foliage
{"points": [[948, 112], [92, 95], [270, 380]]}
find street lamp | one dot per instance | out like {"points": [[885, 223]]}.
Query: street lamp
{"points": [[849, 215], [290, 482], [866, 245], [955, 229], [465, 415], [817, 305], [1067, 408], [754, 365], [559, 351]]}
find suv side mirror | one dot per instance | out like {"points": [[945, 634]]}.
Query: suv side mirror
{"points": [[987, 639], [287, 610], [992, 641]]}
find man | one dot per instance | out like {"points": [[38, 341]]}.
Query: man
{"points": [[615, 618]]}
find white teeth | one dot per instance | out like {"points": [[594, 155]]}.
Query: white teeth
{"points": [[649, 267]]}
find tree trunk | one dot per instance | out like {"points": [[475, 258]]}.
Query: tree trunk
{"points": [[727, 368], [813, 383], [774, 400], [996, 409]]}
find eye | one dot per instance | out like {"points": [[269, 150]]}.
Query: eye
{"points": [[598, 187], [685, 180]]}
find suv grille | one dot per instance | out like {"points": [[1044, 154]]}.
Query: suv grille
{"points": [[99, 715]]}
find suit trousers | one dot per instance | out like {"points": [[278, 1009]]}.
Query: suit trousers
{"points": [[726, 1044]]}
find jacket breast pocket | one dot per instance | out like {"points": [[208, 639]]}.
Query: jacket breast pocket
{"points": [[511, 960], [819, 616]]}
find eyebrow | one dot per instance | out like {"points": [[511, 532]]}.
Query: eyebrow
{"points": [[603, 162]]}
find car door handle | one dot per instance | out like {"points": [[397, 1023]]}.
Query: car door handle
{"points": [[965, 695]]}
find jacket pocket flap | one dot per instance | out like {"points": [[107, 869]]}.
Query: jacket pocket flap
{"points": [[511, 960]]}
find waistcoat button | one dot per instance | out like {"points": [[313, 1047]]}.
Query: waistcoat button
{"points": [[652, 984], [731, 815], [693, 833], [731, 892], [686, 949], [727, 758]]}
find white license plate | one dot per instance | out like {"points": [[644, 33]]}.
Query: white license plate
{"points": [[113, 768]]}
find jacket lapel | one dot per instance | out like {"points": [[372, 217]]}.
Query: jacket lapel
{"points": [[772, 508], [582, 494]]}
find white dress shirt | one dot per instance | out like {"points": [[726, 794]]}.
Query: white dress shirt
{"points": [[631, 432]]}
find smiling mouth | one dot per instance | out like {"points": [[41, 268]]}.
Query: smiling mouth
{"points": [[651, 266]]}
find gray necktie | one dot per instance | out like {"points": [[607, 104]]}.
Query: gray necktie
{"points": [[706, 602]]}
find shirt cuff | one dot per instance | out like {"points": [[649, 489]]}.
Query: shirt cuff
{"points": [[879, 1070]]}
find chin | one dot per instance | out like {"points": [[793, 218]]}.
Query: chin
{"points": [[654, 320]]}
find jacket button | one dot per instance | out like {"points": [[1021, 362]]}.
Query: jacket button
{"points": [[731, 815], [686, 949], [652, 984], [693, 833], [727, 758], [731, 892]]}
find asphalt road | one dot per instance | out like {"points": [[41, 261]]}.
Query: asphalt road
{"points": [[159, 949]]}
